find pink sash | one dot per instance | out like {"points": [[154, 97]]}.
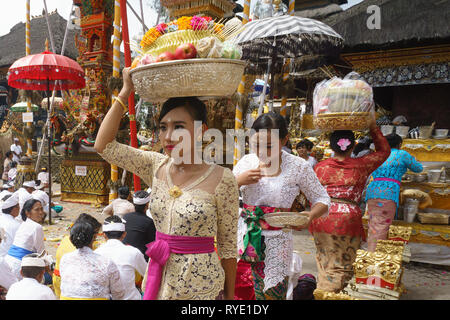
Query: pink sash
{"points": [[388, 179], [160, 250]]}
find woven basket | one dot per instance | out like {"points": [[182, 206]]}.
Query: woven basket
{"points": [[433, 218], [286, 219], [188, 78], [342, 121]]}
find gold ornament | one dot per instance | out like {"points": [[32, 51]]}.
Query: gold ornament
{"points": [[175, 192], [399, 233]]}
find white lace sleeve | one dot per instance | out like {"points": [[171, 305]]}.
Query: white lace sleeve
{"points": [[311, 186], [227, 198]]}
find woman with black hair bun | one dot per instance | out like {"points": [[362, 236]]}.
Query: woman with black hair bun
{"points": [[338, 236], [29, 237], [270, 180], [192, 202], [86, 275]]}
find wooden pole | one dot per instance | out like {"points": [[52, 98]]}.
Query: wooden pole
{"points": [[116, 74], [287, 62], [131, 109], [239, 113], [28, 52]]}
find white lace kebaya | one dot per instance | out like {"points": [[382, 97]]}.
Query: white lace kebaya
{"points": [[89, 275], [279, 192]]}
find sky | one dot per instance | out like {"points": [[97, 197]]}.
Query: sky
{"points": [[13, 12]]}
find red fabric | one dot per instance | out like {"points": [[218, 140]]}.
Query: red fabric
{"points": [[244, 287], [346, 180]]}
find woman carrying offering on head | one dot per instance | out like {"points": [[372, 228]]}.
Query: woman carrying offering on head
{"points": [[191, 202], [270, 179], [338, 236], [383, 192]]}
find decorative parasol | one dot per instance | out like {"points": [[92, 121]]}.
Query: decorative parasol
{"points": [[267, 42], [22, 107], [287, 37], [46, 71]]}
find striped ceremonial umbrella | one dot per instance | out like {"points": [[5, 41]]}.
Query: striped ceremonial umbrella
{"points": [[22, 107], [287, 36]]}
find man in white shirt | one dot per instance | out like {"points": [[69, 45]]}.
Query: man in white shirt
{"points": [[10, 210], [25, 193], [120, 206], [127, 258], [30, 287], [16, 149]]}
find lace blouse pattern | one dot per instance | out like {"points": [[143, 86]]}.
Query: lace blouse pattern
{"points": [[86, 274], [280, 191], [196, 212]]}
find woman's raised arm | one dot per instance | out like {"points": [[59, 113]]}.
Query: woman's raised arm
{"points": [[110, 124]]}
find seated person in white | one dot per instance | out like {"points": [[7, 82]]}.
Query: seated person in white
{"points": [[127, 258], [26, 193], [12, 172], [43, 177], [10, 210], [7, 189], [29, 237], [30, 287], [7, 278], [42, 196], [120, 206]]}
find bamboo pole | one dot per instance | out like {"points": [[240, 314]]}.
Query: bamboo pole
{"points": [[239, 116], [287, 62], [116, 74], [28, 52], [131, 109]]}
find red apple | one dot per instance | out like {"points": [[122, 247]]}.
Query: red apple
{"points": [[165, 56], [179, 53], [189, 50]]}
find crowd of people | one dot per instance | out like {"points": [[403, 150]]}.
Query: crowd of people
{"points": [[189, 238]]}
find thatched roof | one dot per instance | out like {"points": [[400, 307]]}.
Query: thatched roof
{"points": [[404, 23], [319, 13], [12, 45]]}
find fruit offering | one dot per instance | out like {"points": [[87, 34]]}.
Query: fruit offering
{"points": [[188, 38]]}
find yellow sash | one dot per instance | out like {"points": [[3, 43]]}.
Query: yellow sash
{"points": [[68, 298]]}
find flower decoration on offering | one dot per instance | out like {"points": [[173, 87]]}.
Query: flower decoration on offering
{"points": [[343, 104]]}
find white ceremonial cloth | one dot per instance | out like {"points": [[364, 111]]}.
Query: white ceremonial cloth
{"points": [[29, 289], [10, 225], [128, 260], [7, 278]]}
